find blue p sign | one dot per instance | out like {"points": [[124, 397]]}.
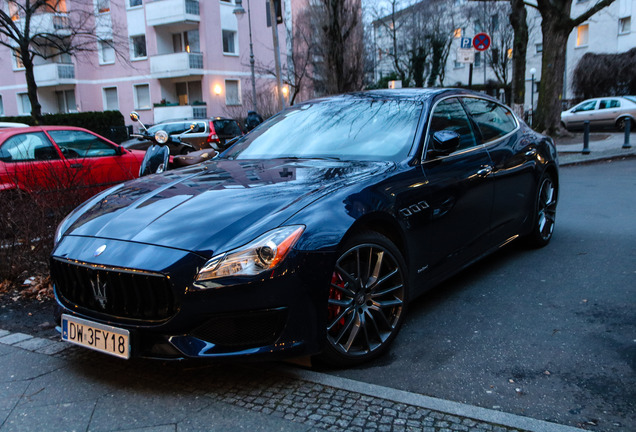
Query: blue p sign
{"points": [[466, 42]]}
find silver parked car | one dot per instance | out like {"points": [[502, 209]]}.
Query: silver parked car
{"points": [[610, 111]]}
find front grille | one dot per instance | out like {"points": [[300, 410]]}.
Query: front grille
{"points": [[116, 292], [243, 330]]}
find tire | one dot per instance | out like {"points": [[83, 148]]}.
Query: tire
{"points": [[367, 300], [620, 124], [545, 212]]}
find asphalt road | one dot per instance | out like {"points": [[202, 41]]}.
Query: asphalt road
{"points": [[550, 333]]}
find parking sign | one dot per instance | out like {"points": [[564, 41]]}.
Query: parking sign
{"points": [[466, 43]]}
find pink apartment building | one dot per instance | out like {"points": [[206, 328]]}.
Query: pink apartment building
{"points": [[185, 59]]}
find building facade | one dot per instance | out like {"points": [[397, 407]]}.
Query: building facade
{"points": [[165, 59]]}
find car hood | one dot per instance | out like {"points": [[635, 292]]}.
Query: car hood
{"points": [[216, 206]]}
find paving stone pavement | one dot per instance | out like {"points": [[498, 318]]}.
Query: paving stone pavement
{"points": [[168, 396]]}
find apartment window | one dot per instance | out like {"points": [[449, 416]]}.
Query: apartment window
{"points": [[17, 60], [106, 52], [582, 35], [134, 3], [625, 25], [66, 101], [24, 104], [142, 96], [138, 47], [232, 94], [110, 99], [477, 59], [186, 41], [1, 106], [458, 65], [229, 39], [457, 33], [538, 48], [103, 6]]}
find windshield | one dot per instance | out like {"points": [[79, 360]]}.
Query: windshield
{"points": [[347, 128]]}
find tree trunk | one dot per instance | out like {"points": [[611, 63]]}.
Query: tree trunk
{"points": [[555, 37], [32, 87], [519, 49]]}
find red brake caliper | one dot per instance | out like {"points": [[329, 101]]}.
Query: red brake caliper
{"points": [[335, 294]]}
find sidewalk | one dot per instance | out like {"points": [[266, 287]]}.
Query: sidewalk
{"points": [[49, 385], [603, 145]]}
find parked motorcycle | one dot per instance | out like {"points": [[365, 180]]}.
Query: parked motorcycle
{"points": [[157, 158]]}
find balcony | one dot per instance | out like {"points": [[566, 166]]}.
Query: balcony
{"points": [[174, 13], [54, 74], [163, 113], [51, 23], [175, 65]]}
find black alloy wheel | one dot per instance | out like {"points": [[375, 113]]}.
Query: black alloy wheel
{"points": [[367, 300], [545, 212]]}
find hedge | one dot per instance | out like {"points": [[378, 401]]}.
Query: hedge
{"points": [[109, 124]]}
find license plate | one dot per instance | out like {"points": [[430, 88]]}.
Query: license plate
{"points": [[99, 337]]}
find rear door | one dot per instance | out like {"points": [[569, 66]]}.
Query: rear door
{"points": [[608, 111], [514, 165]]}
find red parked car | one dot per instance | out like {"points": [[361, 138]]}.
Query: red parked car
{"points": [[69, 162]]}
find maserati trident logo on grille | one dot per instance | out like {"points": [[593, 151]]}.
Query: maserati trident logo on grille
{"points": [[100, 250], [99, 291]]}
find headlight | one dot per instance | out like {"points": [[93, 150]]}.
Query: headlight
{"points": [[258, 256], [161, 137]]}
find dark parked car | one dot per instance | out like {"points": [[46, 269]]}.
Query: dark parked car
{"points": [[213, 133], [305, 237]]}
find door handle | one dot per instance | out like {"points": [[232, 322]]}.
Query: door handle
{"points": [[532, 152], [76, 165], [484, 171]]}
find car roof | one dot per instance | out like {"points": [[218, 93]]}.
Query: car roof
{"points": [[413, 94]]}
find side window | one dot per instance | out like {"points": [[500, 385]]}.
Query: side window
{"points": [[28, 147], [585, 106], [80, 144], [609, 103], [493, 120], [449, 115]]}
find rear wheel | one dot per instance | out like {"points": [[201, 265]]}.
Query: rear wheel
{"points": [[621, 122], [367, 300], [545, 217]]}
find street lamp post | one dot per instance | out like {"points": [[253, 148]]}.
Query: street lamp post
{"points": [[240, 11], [532, 72]]}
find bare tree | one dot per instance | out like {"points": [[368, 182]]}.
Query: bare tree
{"points": [[26, 31], [556, 26], [338, 64]]}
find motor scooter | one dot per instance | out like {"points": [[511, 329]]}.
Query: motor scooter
{"points": [[157, 158]]}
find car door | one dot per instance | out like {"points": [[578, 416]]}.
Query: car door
{"points": [[514, 163], [585, 111], [460, 191], [94, 162], [32, 163], [608, 111]]}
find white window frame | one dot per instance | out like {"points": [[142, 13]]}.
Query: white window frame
{"points": [[17, 65], [21, 101], [621, 25], [234, 42], [100, 52], [579, 35], [538, 48], [238, 90], [132, 48], [129, 4], [105, 99], [139, 106]]}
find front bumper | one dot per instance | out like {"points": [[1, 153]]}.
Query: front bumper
{"points": [[279, 315]]}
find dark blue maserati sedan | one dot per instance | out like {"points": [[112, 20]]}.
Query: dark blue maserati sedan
{"points": [[309, 235]]}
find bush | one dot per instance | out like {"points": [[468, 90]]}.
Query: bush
{"points": [[598, 75]]}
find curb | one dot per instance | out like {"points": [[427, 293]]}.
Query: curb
{"points": [[382, 406]]}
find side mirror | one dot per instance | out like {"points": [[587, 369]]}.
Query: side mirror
{"points": [[134, 116], [444, 143]]}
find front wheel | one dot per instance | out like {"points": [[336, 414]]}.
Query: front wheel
{"points": [[545, 216], [367, 300]]}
